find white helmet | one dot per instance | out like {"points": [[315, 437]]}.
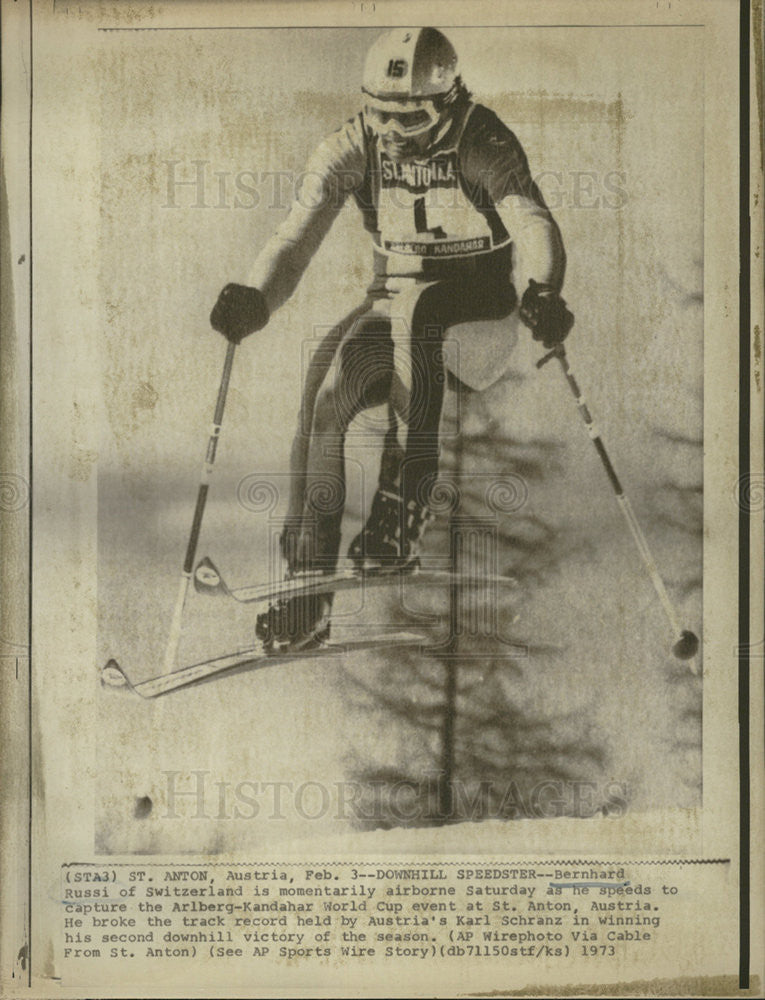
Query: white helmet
{"points": [[410, 79]]}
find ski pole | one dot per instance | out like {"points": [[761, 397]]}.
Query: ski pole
{"points": [[174, 638], [686, 642]]}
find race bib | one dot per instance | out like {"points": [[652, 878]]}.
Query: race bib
{"points": [[423, 211]]}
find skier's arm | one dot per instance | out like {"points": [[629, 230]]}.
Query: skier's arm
{"points": [[332, 173], [496, 164], [494, 161], [538, 267], [538, 246]]}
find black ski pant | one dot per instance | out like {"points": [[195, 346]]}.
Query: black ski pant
{"points": [[368, 372]]}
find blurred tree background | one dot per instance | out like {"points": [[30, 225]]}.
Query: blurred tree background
{"points": [[505, 720]]}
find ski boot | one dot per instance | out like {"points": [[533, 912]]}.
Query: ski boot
{"points": [[295, 624], [390, 538]]}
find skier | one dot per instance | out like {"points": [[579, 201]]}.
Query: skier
{"points": [[458, 225]]}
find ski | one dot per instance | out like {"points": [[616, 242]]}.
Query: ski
{"points": [[114, 676], [209, 581]]}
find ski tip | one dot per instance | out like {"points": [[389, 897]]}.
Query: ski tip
{"points": [[207, 579], [112, 675]]}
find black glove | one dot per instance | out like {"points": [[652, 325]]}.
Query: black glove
{"points": [[238, 312], [544, 312]]}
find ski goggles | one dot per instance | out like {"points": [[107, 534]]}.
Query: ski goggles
{"points": [[406, 118]]}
